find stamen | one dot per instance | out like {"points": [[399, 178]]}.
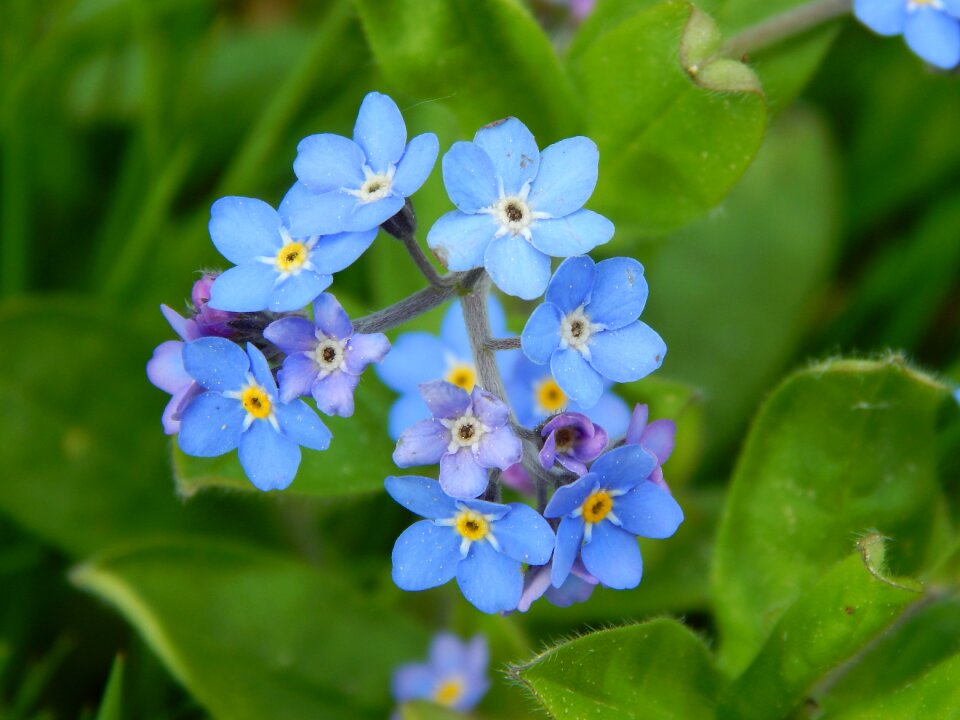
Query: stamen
{"points": [[549, 397], [256, 402], [465, 431], [292, 257], [328, 356], [463, 376], [576, 330], [471, 525], [597, 506]]}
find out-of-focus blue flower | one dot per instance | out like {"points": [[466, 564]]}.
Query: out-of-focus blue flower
{"points": [[930, 27], [535, 396], [241, 409], [602, 513], [480, 543], [355, 185], [467, 434], [571, 440], [587, 328], [454, 676], [275, 269], [325, 358], [656, 438], [517, 206], [419, 357], [577, 588]]}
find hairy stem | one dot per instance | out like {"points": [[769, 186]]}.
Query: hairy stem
{"points": [[785, 25], [478, 330], [423, 262], [512, 343]]}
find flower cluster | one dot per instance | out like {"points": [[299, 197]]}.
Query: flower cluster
{"points": [[535, 413]]}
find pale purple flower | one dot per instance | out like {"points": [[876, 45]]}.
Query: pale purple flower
{"points": [[656, 438], [577, 588], [572, 440]]}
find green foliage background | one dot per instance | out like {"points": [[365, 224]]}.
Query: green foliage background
{"points": [[799, 220]]}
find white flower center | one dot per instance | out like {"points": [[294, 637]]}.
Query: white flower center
{"points": [[465, 431], [376, 187], [514, 215], [328, 356], [576, 330], [914, 4]]}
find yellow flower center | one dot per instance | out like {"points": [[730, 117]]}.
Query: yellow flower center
{"points": [[550, 397], [292, 256], [463, 376], [448, 692], [256, 402], [597, 506], [472, 525]]}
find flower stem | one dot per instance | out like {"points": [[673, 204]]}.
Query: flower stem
{"points": [[478, 330], [785, 25], [512, 343], [423, 262]]}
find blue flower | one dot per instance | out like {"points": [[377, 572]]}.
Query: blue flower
{"points": [[602, 514], [241, 409], [468, 434], [454, 676], [420, 357], [517, 206], [535, 396], [355, 185], [480, 543], [587, 328], [325, 357], [275, 270], [930, 27]]}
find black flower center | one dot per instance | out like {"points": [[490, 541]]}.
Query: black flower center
{"points": [[329, 354], [514, 212], [466, 431]]}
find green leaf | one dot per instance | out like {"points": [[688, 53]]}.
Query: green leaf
{"points": [[111, 706], [733, 293], [488, 59], [839, 449], [658, 670], [255, 635], [82, 444], [358, 460], [670, 151], [831, 620]]}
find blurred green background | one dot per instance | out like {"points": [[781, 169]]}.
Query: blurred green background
{"points": [[122, 120]]}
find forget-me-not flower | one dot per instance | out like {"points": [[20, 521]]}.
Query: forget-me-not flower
{"points": [[572, 440], [420, 357], [241, 409], [275, 269], [930, 27], [587, 328], [480, 543], [602, 513], [516, 206], [355, 185], [577, 588], [325, 358], [454, 676], [467, 434], [655, 437]]}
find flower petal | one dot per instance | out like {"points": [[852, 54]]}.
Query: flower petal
{"points": [[499, 449], [330, 317], [517, 268], [513, 151], [334, 393], [470, 177], [297, 290], [576, 377], [541, 334], [217, 364], [297, 375], [459, 240], [568, 498], [885, 17], [571, 284], [261, 370], [573, 590], [414, 681], [611, 412], [362, 349], [422, 444], [292, 335], [619, 293], [306, 213], [421, 495], [244, 228], [488, 408], [416, 164], [178, 404], [444, 399], [573, 234], [627, 354], [300, 423], [569, 540], [623, 468], [380, 131], [490, 581], [638, 423], [211, 425], [658, 439], [244, 288], [415, 358], [328, 162], [461, 476], [165, 368], [566, 178], [186, 329], [268, 458], [934, 36], [648, 511], [535, 583], [362, 217], [524, 535], [613, 556], [407, 410], [425, 556], [333, 253]]}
